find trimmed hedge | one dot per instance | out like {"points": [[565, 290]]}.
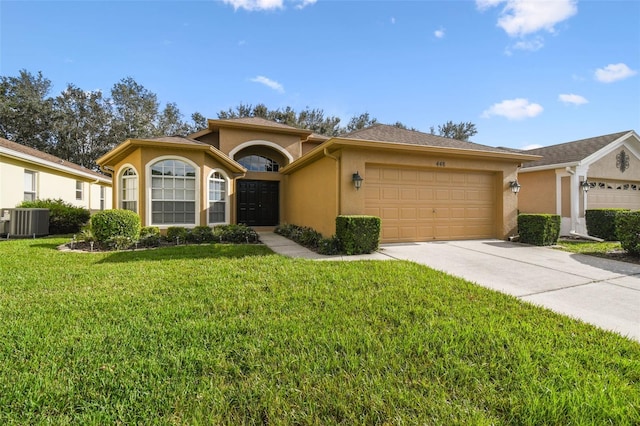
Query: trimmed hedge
{"points": [[628, 231], [358, 234], [539, 229], [116, 225], [601, 223], [64, 218]]}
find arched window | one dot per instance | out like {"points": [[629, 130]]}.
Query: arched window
{"points": [[129, 190], [259, 163], [218, 204], [173, 193]]}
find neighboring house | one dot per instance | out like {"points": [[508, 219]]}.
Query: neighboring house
{"points": [[28, 174], [609, 164], [261, 173]]}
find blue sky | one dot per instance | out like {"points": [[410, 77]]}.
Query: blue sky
{"points": [[526, 72]]}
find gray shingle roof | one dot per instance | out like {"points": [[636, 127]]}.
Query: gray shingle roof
{"points": [[23, 149], [386, 133], [257, 121], [571, 152], [178, 140]]}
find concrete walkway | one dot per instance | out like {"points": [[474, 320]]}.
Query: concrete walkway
{"points": [[602, 292]]}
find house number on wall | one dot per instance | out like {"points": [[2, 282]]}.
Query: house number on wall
{"points": [[622, 161], [440, 163]]}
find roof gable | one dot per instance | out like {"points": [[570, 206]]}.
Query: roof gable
{"points": [[174, 142], [575, 151]]}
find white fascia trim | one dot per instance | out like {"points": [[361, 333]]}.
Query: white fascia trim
{"points": [[549, 167], [275, 146], [623, 140], [52, 165]]}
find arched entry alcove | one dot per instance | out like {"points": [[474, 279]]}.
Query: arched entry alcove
{"points": [[258, 193]]}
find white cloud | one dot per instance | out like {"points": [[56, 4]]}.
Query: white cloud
{"points": [[531, 45], [439, 33], [393, 20], [513, 109], [252, 5], [570, 98], [522, 17], [304, 3], [269, 83], [614, 72], [532, 146]]}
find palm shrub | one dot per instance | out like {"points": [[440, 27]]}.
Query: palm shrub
{"points": [[119, 228], [64, 218]]}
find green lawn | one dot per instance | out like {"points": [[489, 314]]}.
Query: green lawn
{"points": [[237, 335]]}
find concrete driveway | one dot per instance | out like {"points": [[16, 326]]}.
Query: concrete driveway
{"points": [[602, 292]]}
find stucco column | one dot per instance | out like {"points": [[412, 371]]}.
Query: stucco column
{"points": [[575, 201]]}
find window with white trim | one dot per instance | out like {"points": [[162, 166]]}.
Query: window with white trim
{"points": [[79, 190], [129, 190], [217, 212], [30, 192], [173, 193], [102, 197]]}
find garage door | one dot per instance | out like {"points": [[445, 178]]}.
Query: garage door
{"points": [[426, 204], [611, 194]]}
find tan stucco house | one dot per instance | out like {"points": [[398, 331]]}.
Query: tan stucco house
{"points": [[28, 174], [260, 173], [598, 172]]}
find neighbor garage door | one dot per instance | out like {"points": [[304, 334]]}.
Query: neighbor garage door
{"points": [[426, 204], [611, 194]]}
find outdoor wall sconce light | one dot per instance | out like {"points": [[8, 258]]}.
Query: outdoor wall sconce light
{"points": [[515, 186], [584, 185], [357, 180]]}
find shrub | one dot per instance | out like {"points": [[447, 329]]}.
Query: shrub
{"points": [[235, 234], [200, 234], [628, 231], [64, 218], [149, 236], [329, 246], [601, 223], [121, 225], [539, 229], [358, 234], [177, 234], [303, 235]]}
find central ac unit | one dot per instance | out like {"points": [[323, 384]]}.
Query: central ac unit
{"points": [[28, 222]]}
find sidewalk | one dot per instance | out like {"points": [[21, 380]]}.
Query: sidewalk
{"points": [[289, 248]]}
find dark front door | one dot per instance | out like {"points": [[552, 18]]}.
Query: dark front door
{"points": [[258, 202]]}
